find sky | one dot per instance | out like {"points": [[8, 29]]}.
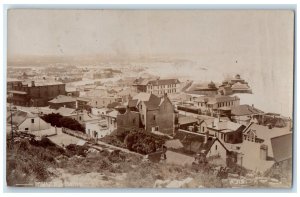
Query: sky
{"points": [[256, 44]]}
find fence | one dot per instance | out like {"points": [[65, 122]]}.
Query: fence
{"points": [[78, 134]]}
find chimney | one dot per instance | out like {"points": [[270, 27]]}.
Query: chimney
{"points": [[32, 84], [252, 105]]}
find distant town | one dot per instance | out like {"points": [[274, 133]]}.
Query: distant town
{"points": [[128, 113]]}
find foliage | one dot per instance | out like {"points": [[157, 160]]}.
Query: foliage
{"points": [[58, 120], [143, 142], [74, 149], [28, 160]]}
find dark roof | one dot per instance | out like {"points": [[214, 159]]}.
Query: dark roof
{"points": [[153, 102], [163, 82], [132, 103], [242, 110], [282, 147], [206, 146]]}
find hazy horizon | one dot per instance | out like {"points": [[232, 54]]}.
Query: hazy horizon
{"points": [[258, 44]]}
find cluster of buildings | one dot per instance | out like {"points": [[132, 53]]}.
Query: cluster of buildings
{"points": [[213, 123], [228, 87]]}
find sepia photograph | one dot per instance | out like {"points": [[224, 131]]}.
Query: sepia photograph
{"points": [[149, 98]]}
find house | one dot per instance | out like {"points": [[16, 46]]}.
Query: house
{"points": [[25, 121], [157, 86], [82, 116], [195, 143], [128, 121], [203, 122], [212, 104], [157, 113], [226, 131], [236, 84], [187, 123], [260, 134], [215, 148], [103, 101], [35, 93], [62, 101], [111, 120], [244, 114], [97, 129], [126, 94], [82, 102]]}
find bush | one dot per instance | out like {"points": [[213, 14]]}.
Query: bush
{"points": [[143, 142], [60, 121], [74, 149]]}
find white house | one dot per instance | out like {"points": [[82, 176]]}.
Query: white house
{"points": [[97, 129], [217, 149], [25, 121]]}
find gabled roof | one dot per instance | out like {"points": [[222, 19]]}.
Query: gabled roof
{"points": [[132, 103], [62, 99], [282, 147], [263, 132], [210, 142], [224, 126], [242, 110], [150, 100], [18, 117]]}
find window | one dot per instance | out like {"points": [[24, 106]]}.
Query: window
{"points": [[79, 117], [133, 121], [216, 147], [26, 129], [154, 117], [32, 120]]}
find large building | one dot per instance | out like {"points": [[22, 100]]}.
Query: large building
{"points": [[213, 104], [35, 93], [156, 114], [157, 86], [234, 85]]}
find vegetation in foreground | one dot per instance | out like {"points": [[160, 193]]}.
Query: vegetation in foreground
{"points": [[32, 161], [137, 141]]}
